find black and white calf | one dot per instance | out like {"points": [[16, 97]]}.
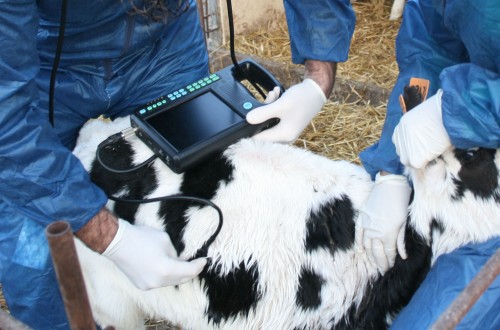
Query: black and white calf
{"points": [[286, 257]]}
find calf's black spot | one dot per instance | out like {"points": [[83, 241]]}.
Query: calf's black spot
{"points": [[332, 226], [309, 292], [231, 295]]}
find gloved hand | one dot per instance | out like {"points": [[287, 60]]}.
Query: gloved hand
{"points": [[420, 135], [295, 109], [148, 258], [380, 225]]}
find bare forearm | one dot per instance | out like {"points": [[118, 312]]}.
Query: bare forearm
{"points": [[323, 73], [98, 233]]}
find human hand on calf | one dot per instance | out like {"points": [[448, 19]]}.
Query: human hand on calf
{"points": [[381, 222], [295, 110], [148, 257], [421, 136]]}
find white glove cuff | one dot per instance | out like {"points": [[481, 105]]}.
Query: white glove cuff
{"points": [[438, 96], [395, 179], [309, 81], [122, 226]]}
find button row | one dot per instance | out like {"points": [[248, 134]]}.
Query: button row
{"points": [[152, 106], [202, 82], [181, 92]]}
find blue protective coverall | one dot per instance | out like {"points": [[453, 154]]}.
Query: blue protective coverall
{"points": [[112, 62], [456, 45]]}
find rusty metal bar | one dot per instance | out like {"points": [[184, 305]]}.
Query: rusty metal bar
{"points": [[9, 322], [201, 14], [468, 297], [69, 275]]}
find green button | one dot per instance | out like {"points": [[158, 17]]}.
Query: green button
{"points": [[149, 108]]}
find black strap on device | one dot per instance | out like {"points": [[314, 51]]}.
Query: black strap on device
{"points": [[237, 67]]}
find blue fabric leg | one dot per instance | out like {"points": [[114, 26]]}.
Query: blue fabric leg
{"points": [[449, 275]]}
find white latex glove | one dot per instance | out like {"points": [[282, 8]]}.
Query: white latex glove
{"points": [[148, 258], [381, 222], [295, 109], [420, 136]]}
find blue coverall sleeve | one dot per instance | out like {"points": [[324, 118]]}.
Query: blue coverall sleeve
{"points": [[320, 29], [39, 177], [431, 47]]}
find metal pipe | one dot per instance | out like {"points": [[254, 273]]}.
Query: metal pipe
{"points": [[201, 14], [468, 297], [69, 275]]}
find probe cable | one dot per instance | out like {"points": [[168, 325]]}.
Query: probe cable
{"points": [[232, 53], [123, 135], [203, 251]]}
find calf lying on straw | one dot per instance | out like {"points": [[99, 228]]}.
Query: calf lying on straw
{"points": [[286, 256]]}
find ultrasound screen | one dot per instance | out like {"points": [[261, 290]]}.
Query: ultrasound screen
{"points": [[194, 121]]}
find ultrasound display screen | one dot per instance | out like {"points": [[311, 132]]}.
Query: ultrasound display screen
{"points": [[194, 121]]}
